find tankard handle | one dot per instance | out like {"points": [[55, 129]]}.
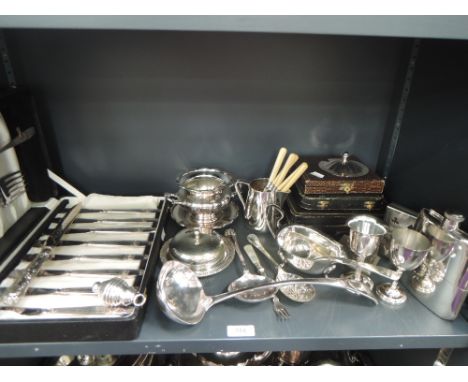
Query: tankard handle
{"points": [[275, 208], [237, 186]]}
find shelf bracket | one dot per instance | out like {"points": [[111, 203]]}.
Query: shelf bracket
{"points": [[394, 126]]}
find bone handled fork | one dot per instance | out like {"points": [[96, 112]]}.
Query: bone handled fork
{"points": [[280, 310]]}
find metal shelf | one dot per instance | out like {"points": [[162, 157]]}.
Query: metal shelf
{"points": [[336, 320], [447, 27]]}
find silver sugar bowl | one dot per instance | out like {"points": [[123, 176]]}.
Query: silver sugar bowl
{"points": [[206, 192]]}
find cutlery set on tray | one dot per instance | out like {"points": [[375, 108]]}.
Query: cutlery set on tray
{"points": [[90, 262]]}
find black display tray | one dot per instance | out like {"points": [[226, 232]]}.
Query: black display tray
{"points": [[95, 329], [330, 222]]}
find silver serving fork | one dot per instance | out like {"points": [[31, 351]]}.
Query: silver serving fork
{"points": [[11, 187]]}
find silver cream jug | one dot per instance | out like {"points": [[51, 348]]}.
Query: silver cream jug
{"points": [[255, 206]]}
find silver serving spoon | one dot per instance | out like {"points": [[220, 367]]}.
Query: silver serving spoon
{"points": [[248, 279], [278, 307], [298, 293], [182, 298]]}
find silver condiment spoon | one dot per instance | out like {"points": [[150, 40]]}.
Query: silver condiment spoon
{"points": [[299, 292]]}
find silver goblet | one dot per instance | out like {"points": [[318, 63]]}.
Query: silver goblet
{"points": [[433, 270], [365, 235], [408, 250]]}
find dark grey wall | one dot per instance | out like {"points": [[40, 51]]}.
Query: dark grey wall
{"points": [[430, 165], [129, 111]]}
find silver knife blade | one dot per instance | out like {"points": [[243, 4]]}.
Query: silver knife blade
{"points": [[94, 249]]}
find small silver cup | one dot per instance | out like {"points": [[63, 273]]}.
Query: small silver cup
{"points": [[408, 250], [255, 206]]}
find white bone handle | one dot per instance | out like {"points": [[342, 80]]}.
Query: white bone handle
{"points": [[292, 158], [278, 162], [291, 179]]}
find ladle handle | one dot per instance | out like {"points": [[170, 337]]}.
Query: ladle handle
{"points": [[381, 271], [332, 282], [255, 241]]}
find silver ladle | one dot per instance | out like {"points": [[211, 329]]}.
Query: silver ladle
{"points": [[248, 279], [298, 293], [182, 298]]}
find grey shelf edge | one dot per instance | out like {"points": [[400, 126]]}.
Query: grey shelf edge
{"points": [[162, 337], [445, 27]]}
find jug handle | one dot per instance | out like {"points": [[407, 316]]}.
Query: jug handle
{"points": [[277, 209], [237, 186]]}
